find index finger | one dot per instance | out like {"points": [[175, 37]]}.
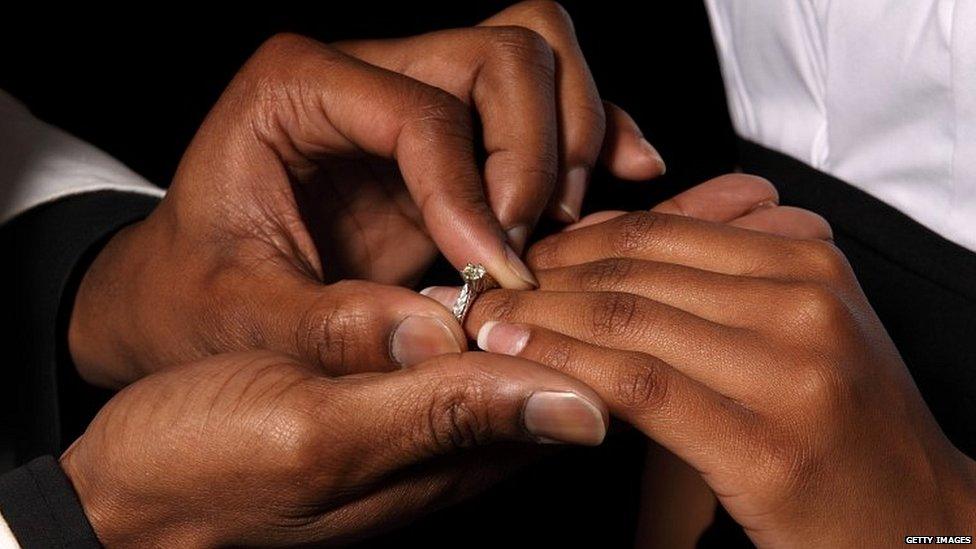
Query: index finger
{"points": [[315, 101]]}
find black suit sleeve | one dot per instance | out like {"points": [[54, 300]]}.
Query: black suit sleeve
{"points": [[43, 403], [41, 508]]}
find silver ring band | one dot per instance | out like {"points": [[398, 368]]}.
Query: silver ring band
{"points": [[476, 281]]}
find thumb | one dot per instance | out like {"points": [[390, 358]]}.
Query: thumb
{"points": [[356, 326], [459, 401]]}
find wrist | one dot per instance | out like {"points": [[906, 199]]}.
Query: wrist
{"points": [[959, 494], [937, 496], [121, 517], [101, 314], [107, 525]]}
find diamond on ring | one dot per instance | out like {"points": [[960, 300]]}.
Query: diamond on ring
{"points": [[476, 280]]}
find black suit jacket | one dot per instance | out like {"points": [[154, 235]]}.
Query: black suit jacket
{"points": [[43, 404]]}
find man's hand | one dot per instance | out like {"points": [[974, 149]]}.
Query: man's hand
{"points": [[523, 71], [316, 166], [257, 449], [754, 357]]}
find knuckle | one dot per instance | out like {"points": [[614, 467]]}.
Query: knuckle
{"points": [[270, 102], [524, 45], [643, 384], [292, 431], [820, 393], [497, 304], [268, 57], [546, 14], [616, 314], [543, 253], [274, 88], [558, 355], [274, 56], [825, 261], [637, 231], [294, 439], [438, 114], [456, 417], [604, 274], [817, 308], [546, 9], [328, 330], [281, 43]]}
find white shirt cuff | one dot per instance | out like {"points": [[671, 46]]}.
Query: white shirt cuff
{"points": [[40, 163], [7, 539]]}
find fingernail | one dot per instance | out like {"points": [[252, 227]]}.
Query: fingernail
{"points": [[563, 417], [572, 199], [517, 236], [764, 205], [652, 152], [445, 295], [419, 338], [518, 268], [502, 338]]}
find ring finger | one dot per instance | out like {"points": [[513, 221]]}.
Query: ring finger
{"points": [[702, 349]]}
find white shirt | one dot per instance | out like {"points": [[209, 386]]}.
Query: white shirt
{"points": [[7, 539], [879, 93], [40, 163]]}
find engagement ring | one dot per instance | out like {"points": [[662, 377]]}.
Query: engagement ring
{"points": [[476, 280]]}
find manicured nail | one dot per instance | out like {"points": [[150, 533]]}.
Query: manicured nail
{"points": [[563, 417], [419, 338], [652, 152], [503, 338], [518, 268], [445, 295], [572, 200], [517, 236]]}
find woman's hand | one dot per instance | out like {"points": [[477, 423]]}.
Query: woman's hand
{"points": [[316, 166], [256, 449], [754, 357]]}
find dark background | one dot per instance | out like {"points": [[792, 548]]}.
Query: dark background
{"points": [[137, 82]]}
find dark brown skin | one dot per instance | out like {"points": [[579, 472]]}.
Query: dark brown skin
{"points": [[320, 164], [257, 449], [274, 197], [756, 359], [260, 449]]}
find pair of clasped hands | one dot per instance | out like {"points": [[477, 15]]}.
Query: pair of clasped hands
{"points": [[282, 385]]}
